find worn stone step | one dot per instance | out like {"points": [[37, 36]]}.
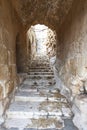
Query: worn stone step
{"points": [[30, 96], [41, 58], [41, 123], [40, 76], [40, 64], [45, 59], [68, 125], [40, 70], [33, 109], [40, 73], [47, 68], [41, 95], [41, 67], [35, 88], [39, 82], [28, 89]]}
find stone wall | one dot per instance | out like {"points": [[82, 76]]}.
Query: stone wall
{"points": [[8, 75], [25, 48], [70, 22], [50, 13], [31, 43], [71, 65], [21, 50], [51, 43]]}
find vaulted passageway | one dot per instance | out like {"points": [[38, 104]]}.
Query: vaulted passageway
{"points": [[67, 52]]}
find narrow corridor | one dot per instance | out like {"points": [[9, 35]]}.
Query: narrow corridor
{"points": [[36, 91], [38, 103]]}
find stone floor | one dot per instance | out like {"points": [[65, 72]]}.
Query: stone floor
{"points": [[38, 103], [68, 126]]}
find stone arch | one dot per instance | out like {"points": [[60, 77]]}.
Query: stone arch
{"points": [[27, 43]]}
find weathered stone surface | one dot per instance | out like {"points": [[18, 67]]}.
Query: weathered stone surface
{"points": [[31, 43], [50, 13], [1, 91], [3, 106], [80, 111], [69, 19], [4, 75], [71, 58], [3, 54], [9, 87], [51, 43], [38, 106], [71, 69], [8, 32], [11, 57]]}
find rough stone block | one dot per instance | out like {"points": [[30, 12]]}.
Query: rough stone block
{"points": [[9, 86], [80, 111], [11, 57], [1, 92], [4, 72], [3, 55]]}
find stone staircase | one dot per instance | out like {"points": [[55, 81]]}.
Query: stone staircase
{"points": [[38, 103]]}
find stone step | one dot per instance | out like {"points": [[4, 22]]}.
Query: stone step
{"points": [[28, 89], [40, 85], [35, 88], [40, 64], [30, 96], [41, 59], [40, 73], [41, 123], [40, 70], [39, 82], [47, 68], [33, 109], [41, 95], [40, 76]]}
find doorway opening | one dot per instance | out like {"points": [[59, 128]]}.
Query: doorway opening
{"points": [[41, 40]]}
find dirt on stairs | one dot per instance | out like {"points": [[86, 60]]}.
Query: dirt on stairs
{"points": [[38, 105]]}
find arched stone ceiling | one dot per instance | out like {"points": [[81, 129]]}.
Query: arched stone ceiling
{"points": [[48, 12]]}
